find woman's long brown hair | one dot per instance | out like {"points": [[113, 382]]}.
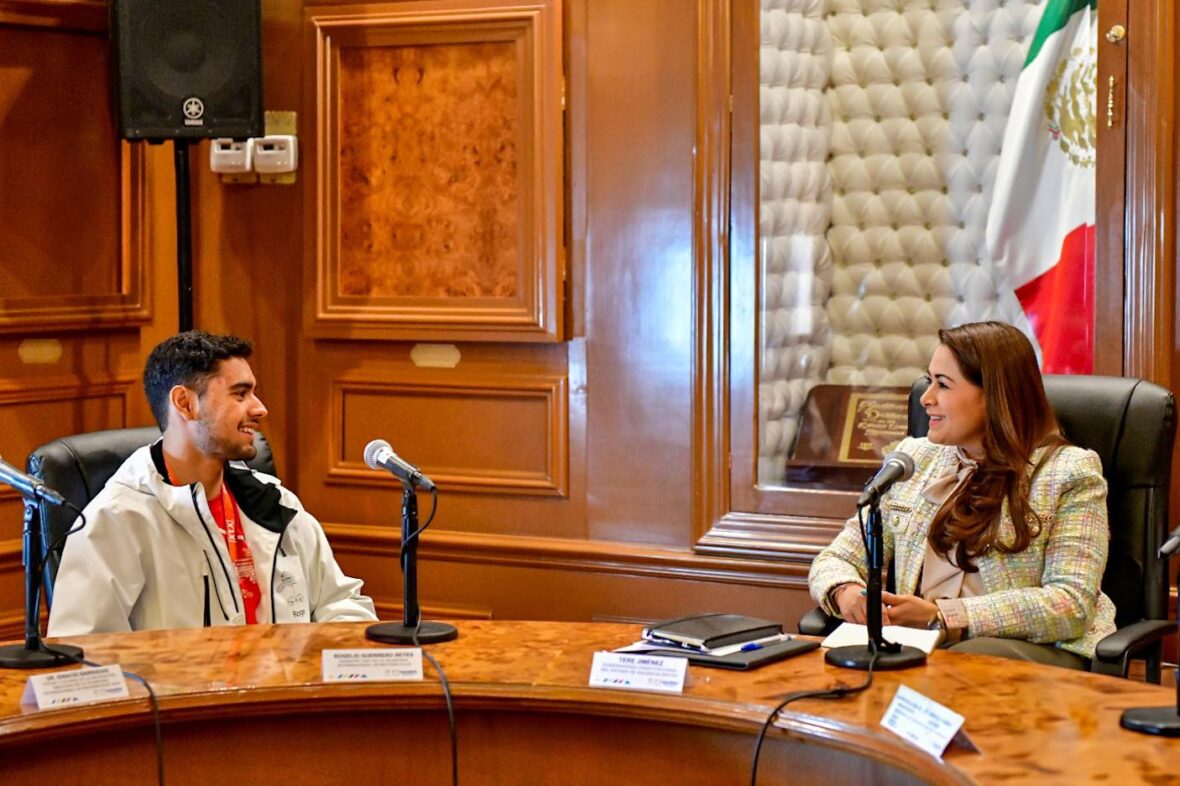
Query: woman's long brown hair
{"points": [[998, 358]]}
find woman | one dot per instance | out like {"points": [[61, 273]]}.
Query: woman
{"points": [[1000, 536]]}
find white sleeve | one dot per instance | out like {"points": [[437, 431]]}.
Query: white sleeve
{"points": [[100, 577]]}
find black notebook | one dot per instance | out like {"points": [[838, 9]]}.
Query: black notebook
{"points": [[707, 631], [746, 659]]}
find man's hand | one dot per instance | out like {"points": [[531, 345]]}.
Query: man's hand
{"points": [[909, 610]]}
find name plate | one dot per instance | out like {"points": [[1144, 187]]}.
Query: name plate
{"points": [[629, 671], [372, 665], [81, 686], [924, 722]]}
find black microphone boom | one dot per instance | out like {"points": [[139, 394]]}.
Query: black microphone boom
{"points": [[28, 485], [412, 629], [897, 467], [379, 455], [33, 654]]}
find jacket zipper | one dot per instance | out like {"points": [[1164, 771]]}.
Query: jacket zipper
{"points": [[205, 618], [229, 582], [274, 574], [216, 592]]}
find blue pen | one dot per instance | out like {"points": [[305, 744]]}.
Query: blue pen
{"points": [[758, 644]]}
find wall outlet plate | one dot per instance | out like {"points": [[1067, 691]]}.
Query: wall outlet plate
{"points": [[231, 155], [276, 154]]}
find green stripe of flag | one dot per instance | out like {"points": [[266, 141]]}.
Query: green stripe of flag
{"points": [[1055, 16]]}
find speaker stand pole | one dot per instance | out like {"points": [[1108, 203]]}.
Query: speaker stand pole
{"points": [[184, 234], [881, 654], [32, 654], [413, 629]]}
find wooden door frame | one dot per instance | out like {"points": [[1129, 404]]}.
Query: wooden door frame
{"points": [[1136, 300]]}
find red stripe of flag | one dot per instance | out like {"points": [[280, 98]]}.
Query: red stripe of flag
{"points": [[1060, 305]]}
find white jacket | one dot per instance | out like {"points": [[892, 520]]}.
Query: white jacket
{"points": [[151, 556]]}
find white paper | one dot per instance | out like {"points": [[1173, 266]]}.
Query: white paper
{"points": [[921, 721], [851, 634], [80, 686], [373, 665], [632, 671]]}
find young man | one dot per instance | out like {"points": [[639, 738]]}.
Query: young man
{"points": [[186, 535]]}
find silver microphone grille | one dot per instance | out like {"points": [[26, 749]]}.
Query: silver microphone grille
{"points": [[378, 445], [897, 457]]}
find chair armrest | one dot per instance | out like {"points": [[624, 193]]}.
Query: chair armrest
{"points": [[817, 623], [1120, 646]]}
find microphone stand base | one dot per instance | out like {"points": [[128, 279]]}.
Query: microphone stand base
{"points": [[18, 656], [397, 633], [1164, 721], [860, 656]]}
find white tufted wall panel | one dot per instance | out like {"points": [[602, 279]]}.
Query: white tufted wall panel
{"points": [[795, 212], [918, 93]]}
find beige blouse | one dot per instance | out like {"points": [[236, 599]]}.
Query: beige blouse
{"points": [[942, 581]]}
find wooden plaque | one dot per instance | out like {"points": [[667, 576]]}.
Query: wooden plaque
{"points": [[844, 432]]}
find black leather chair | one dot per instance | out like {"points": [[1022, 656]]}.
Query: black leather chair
{"points": [[1130, 424], [78, 466]]}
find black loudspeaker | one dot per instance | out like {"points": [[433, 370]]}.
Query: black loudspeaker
{"points": [[188, 69]]}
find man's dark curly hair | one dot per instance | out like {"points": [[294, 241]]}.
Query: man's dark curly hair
{"points": [[190, 359]]}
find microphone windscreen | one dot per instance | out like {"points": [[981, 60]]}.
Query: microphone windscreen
{"points": [[378, 445], [905, 460]]}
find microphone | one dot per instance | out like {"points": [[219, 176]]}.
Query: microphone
{"points": [[897, 467], [379, 455], [28, 485], [1171, 545]]}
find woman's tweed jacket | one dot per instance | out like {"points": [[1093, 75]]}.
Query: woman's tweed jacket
{"points": [[1048, 593]]}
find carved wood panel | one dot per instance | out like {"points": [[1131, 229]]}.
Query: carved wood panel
{"points": [[436, 210], [31, 415], [505, 435], [71, 207]]}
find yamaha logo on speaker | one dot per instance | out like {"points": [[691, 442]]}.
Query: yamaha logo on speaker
{"points": [[194, 110]]}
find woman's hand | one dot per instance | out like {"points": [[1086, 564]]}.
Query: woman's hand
{"points": [[852, 603], [909, 610]]}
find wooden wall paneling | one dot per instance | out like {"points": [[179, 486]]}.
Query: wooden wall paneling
{"points": [[715, 178], [519, 577], [78, 15], [72, 249], [493, 431], [505, 435], [12, 591], [1151, 194], [1111, 178], [639, 108], [433, 611], [76, 249], [438, 160]]}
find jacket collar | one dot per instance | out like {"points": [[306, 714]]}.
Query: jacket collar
{"points": [[260, 501]]}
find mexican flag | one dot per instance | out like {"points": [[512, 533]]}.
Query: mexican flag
{"points": [[1040, 230]]}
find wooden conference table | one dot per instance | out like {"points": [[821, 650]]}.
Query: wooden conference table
{"points": [[247, 705]]}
